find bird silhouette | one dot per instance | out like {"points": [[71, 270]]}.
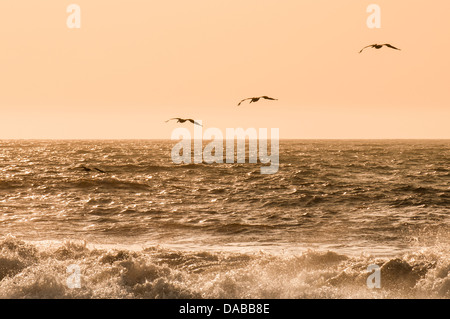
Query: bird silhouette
{"points": [[379, 46], [87, 169], [180, 120], [256, 99]]}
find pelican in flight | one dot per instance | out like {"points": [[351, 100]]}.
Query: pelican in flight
{"points": [[180, 120], [256, 99], [379, 46]]}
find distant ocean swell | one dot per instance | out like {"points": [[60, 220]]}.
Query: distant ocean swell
{"points": [[37, 270]]}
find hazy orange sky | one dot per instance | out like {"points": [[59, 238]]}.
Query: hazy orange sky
{"points": [[135, 63]]}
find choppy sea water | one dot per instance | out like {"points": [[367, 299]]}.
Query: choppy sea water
{"points": [[144, 227]]}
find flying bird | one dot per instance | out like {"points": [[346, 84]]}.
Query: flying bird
{"points": [[180, 120], [256, 99], [379, 46]]}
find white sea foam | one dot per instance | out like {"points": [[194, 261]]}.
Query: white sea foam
{"points": [[39, 271]]}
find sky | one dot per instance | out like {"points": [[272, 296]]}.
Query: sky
{"points": [[133, 64]]}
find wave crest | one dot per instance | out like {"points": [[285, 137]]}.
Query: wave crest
{"points": [[30, 270]]}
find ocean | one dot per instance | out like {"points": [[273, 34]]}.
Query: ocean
{"points": [[136, 225]]}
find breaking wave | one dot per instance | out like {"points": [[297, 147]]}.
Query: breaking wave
{"points": [[40, 270]]}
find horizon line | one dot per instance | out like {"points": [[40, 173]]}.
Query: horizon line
{"points": [[168, 139]]}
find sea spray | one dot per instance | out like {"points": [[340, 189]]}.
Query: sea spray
{"points": [[39, 271]]}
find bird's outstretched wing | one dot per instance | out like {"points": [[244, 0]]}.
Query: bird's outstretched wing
{"points": [[176, 118], [244, 100], [391, 46], [269, 98], [366, 48], [194, 122]]}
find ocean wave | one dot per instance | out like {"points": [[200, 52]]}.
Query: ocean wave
{"points": [[138, 168], [109, 183], [35, 270]]}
